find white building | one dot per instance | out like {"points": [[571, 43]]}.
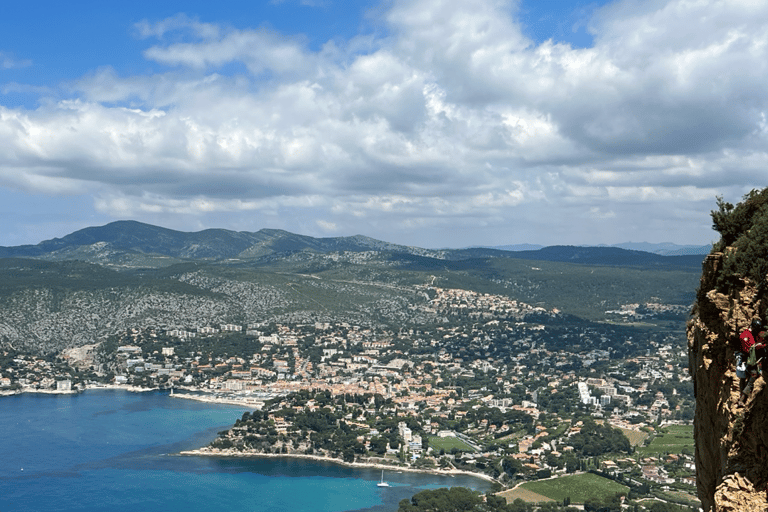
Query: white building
{"points": [[404, 432], [584, 393], [234, 385]]}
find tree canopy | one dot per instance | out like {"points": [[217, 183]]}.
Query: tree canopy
{"points": [[455, 499], [745, 228], [597, 439]]}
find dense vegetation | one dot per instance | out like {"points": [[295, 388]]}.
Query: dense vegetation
{"points": [[743, 227], [56, 305], [459, 499], [455, 499], [597, 439]]}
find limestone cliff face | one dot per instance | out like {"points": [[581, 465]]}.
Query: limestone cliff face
{"points": [[731, 440]]}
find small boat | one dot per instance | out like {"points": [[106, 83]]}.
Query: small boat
{"points": [[382, 483]]}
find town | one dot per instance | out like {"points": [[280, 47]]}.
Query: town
{"points": [[499, 388]]}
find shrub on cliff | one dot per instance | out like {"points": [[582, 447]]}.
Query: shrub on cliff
{"points": [[744, 227]]}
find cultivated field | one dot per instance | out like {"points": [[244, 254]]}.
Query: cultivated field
{"points": [[578, 487], [674, 440], [635, 437], [524, 494]]}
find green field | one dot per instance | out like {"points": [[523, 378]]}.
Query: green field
{"points": [[523, 494], [678, 497], [578, 487], [674, 440], [635, 437], [448, 443]]}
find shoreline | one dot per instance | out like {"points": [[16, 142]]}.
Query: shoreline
{"points": [[186, 394], [199, 396], [206, 452], [124, 387]]}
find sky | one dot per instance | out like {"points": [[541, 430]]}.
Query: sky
{"points": [[432, 123]]}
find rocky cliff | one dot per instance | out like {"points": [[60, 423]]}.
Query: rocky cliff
{"points": [[731, 438]]}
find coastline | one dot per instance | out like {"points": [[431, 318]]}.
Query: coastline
{"points": [[40, 392], [229, 453], [207, 452], [124, 387], [197, 395]]}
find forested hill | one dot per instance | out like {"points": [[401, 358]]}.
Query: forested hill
{"points": [[134, 244], [77, 289]]}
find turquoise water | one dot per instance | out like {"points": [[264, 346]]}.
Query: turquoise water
{"points": [[114, 451]]}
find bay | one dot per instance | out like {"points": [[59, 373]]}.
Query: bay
{"points": [[115, 450]]}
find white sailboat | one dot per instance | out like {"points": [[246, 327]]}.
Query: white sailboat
{"points": [[382, 483]]}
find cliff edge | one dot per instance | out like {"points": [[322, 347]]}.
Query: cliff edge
{"points": [[731, 438]]}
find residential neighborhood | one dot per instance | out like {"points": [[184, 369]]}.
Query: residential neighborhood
{"points": [[501, 388]]}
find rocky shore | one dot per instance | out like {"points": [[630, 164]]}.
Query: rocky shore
{"points": [[39, 392]]}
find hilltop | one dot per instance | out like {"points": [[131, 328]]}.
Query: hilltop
{"points": [[134, 244], [77, 289]]}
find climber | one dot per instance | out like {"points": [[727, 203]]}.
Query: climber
{"points": [[751, 358]]}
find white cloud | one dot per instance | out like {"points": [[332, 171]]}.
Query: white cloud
{"points": [[326, 226], [454, 117], [181, 22], [259, 49]]}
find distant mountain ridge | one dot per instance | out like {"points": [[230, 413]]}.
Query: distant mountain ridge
{"points": [[663, 249], [666, 249], [212, 244], [132, 244]]}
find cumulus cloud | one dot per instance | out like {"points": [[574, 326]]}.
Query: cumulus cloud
{"points": [[454, 118]]}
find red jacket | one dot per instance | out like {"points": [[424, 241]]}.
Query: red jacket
{"points": [[748, 339]]}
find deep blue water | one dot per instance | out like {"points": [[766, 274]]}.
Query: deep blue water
{"points": [[111, 450]]}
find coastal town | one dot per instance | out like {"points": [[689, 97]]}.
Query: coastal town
{"points": [[500, 389]]}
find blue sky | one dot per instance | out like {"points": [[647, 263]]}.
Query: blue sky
{"points": [[424, 122], [66, 41]]}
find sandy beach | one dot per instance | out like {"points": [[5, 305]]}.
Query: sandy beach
{"points": [[213, 452], [244, 401]]}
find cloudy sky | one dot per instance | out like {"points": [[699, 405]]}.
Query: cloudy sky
{"points": [[436, 123]]}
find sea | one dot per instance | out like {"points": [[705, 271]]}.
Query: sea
{"points": [[116, 451]]}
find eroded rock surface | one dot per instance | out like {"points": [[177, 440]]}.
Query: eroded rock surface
{"points": [[731, 439]]}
